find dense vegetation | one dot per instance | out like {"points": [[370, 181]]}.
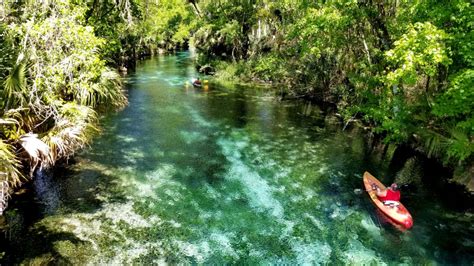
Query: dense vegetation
{"points": [[404, 68], [57, 73]]}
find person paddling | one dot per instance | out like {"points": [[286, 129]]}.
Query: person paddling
{"points": [[389, 196], [197, 82]]}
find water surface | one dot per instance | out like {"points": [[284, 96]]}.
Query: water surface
{"points": [[226, 175]]}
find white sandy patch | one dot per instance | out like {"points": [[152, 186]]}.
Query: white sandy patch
{"points": [[257, 189], [315, 253], [357, 253], [107, 225], [124, 213]]}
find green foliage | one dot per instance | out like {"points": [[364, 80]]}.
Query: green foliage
{"points": [[404, 67], [167, 23], [229, 72], [454, 17], [136, 28], [460, 146], [415, 57], [317, 32], [51, 84], [269, 68], [64, 60], [9, 165], [458, 99], [455, 106], [224, 31], [14, 86], [420, 51]]}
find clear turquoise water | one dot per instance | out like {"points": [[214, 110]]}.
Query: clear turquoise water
{"points": [[226, 175]]}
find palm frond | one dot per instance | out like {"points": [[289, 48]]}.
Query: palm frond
{"points": [[15, 122], [8, 121], [73, 130], [111, 86], [15, 85], [37, 150], [460, 146], [10, 176], [435, 144], [9, 165], [453, 145]]}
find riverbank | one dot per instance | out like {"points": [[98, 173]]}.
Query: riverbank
{"points": [[187, 175], [401, 69], [454, 174], [57, 76]]}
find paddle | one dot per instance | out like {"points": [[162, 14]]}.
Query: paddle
{"points": [[358, 191]]}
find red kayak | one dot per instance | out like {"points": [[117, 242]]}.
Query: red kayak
{"points": [[398, 213]]}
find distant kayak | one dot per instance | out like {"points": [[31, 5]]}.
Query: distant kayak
{"points": [[399, 214], [196, 83]]}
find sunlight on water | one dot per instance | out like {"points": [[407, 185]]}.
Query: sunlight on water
{"points": [[106, 226], [190, 137], [257, 189], [311, 254], [358, 254], [198, 119], [183, 176]]}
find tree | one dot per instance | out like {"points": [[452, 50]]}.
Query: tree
{"points": [[53, 80]]}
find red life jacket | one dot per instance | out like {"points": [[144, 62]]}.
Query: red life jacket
{"points": [[391, 195]]}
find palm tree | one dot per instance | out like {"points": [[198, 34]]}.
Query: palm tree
{"points": [[50, 88]]}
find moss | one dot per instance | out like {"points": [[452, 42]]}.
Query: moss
{"points": [[75, 253], [43, 259]]}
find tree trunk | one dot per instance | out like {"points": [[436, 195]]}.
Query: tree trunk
{"points": [[196, 8]]}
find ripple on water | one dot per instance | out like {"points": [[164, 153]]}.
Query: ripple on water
{"points": [[315, 253], [198, 119], [357, 253], [108, 225], [257, 189], [192, 137]]}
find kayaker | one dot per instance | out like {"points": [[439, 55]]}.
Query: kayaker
{"points": [[197, 82], [388, 196]]}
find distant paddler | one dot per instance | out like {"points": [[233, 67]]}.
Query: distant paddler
{"points": [[197, 82]]}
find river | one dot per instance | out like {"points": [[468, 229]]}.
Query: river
{"points": [[219, 175]]}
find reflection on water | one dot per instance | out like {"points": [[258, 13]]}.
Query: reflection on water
{"points": [[214, 175]]}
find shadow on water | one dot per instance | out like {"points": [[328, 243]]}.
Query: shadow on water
{"points": [[46, 191], [65, 190], [41, 245], [226, 175], [81, 187]]}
